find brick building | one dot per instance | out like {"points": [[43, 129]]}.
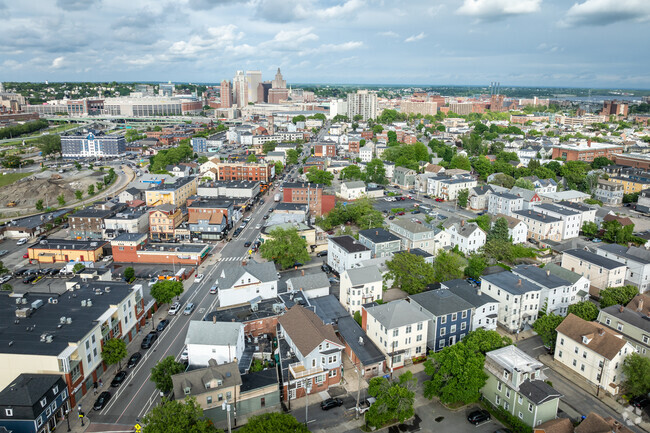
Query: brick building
{"points": [[586, 151], [262, 172], [319, 203], [325, 150], [133, 248]]}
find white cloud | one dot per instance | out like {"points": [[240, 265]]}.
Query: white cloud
{"points": [[58, 62], [604, 12], [390, 34], [495, 10], [284, 11], [76, 5], [414, 38], [214, 38], [332, 48]]}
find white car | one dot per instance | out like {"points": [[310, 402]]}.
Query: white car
{"points": [[259, 226], [185, 356], [175, 308], [198, 278], [22, 241]]}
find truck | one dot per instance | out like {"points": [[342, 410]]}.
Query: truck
{"points": [[365, 404], [277, 197]]}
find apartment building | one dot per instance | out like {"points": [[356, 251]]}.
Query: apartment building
{"points": [[415, 235], [132, 220], [504, 203], [556, 292], [585, 151], [380, 241], [587, 213], [163, 221], [345, 252], [592, 351], [404, 177], [88, 223], [175, 194], [540, 227], [262, 172], [602, 272], [519, 299], [478, 197], [325, 150], [570, 218], [207, 340], [631, 321], [360, 286], [311, 194], [469, 237], [636, 259], [610, 193], [485, 309]]}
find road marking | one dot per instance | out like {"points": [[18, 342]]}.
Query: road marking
{"points": [[538, 347]]}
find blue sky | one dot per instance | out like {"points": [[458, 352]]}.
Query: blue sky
{"points": [[599, 43]]}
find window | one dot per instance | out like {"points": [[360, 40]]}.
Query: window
{"points": [[508, 392], [619, 327], [521, 415], [443, 320], [395, 332], [43, 402], [418, 338], [584, 354], [208, 399], [441, 343], [582, 367], [55, 390], [530, 407], [9, 412], [497, 400], [559, 353], [561, 341], [464, 314], [453, 329], [575, 363], [454, 317], [228, 395], [499, 385], [443, 331], [220, 397], [333, 373], [419, 328], [575, 350], [463, 326]]}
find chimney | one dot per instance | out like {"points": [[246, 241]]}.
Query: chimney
{"points": [[214, 319], [302, 272], [640, 307], [621, 309], [589, 143], [548, 273], [462, 223], [601, 331], [519, 282], [376, 232], [478, 291]]}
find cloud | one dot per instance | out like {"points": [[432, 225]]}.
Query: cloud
{"points": [[414, 38], [605, 12], [77, 5], [284, 11], [58, 62], [204, 5], [495, 10], [390, 34], [332, 48]]}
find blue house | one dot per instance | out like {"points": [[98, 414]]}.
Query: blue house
{"points": [[450, 317], [34, 403]]}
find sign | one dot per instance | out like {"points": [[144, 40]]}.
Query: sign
{"points": [[137, 428]]}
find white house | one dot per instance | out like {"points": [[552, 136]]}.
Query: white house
{"points": [[636, 259], [312, 285], [221, 341], [570, 218], [345, 252], [353, 190], [601, 271], [517, 230], [504, 203], [587, 213], [518, 299], [556, 292], [486, 308], [468, 236], [478, 197], [239, 284], [366, 153], [360, 286]]}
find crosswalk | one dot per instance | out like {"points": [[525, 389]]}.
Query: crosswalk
{"points": [[233, 259]]}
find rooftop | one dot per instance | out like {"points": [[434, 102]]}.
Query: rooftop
{"points": [[27, 389], [348, 243], [309, 281], [396, 314], [536, 216], [590, 257], [628, 315], [635, 254], [366, 351], [378, 235], [468, 292], [306, 329], [410, 226], [511, 283], [264, 272], [557, 209], [601, 339], [67, 244], [213, 333], [441, 302], [364, 275], [539, 276]]}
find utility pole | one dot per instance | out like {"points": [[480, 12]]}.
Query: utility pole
{"points": [[358, 388]]}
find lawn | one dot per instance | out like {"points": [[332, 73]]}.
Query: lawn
{"points": [[9, 178]]}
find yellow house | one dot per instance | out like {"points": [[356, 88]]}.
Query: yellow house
{"points": [[64, 250], [630, 186], [163, 221], [175, 193]]}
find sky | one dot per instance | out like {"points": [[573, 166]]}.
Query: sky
{"points": [[586, 43]]}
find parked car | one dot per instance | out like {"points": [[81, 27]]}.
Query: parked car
{"points": [[198, 278], [22, 241], [213, 290], [149, 339], [175, 308], [478, 416], [185, 355], [119, 378], [101, 401], [325, 267], [392, 217], [640, 401], [596, 240], [415, 211], [247, 244], [162, 325], [189, 308], [5, 279], [321, 253], [400, 213], [3, 252], [29, 279], [438, 199], [331, 403], [365, 404], [152, 281], [133, 360], [258, 226]]}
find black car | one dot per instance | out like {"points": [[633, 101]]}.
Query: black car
{"points": [[102, 400], [321, 253], [19, 272], [478, 416], [640, 401], [247, 244], [149, 339], [331, 403], [162, 325], [325, 268], [28, 279], [134, 359], [119, 378]]}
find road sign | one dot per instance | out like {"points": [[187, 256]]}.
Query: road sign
{"points": [[138, 428]]}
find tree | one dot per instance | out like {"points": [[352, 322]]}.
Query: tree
{"points": [[114, 351], [392, 136], [409, 272], [162, 373], [8, 288], [375, 172], [251, 158], [269, 146], [457, 374], [91, 190], [600, 162], [299, 118], [545, 327], [484, 341], [503, 180], [351, 172], [499, 230], [617, 295], [273, 422], [589, 229], [129, 273], [447, 266], [476, 264], [178, 416], [461, 162], [278, 167], [377, 129], [78, 194], [165, 290], [78, 268], [292, 156], [202, 159], [636, 370], [316, 175], [585, 310], [11, 161], [394, 399], [39, 205], [61, 199], [49, 144], [482, 166], [463, 195], [285, 247], [525, 184], [616, 233], [357, 317]]}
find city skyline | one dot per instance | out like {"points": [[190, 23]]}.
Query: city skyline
{"points": [[548, 43]]}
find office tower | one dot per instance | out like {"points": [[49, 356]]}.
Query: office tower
{"points": [[363, 103], [263, 92], [226, 94], [253, 79], [616, 108], [278, 82], [240, 87], [166, 89]]}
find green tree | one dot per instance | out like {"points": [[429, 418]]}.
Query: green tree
{"points": [[78, 194], [615, 232], [589, 229], [392, 136], [61, 199], [292, 157], [600, 162], [285, 247], [351, 172], [202, 159], [482, 166], [463, 195], [78, 268], [457, 374], [394, 399], [586, 310], [165, 290], [483, 221], [448, 266], [162, 373], [461, 162], [11, 161], [273, 422], [315, 175], [617, 295], [636, 370], [91, 190], [503, 180], [545, 327], [357, 317], [278, 167], [269, 146], [49, 144], [178, 416], [251, 158], [476, 264], [39, 205], [484, 341], [409, 272], [525, 184], [299, 118], [7, 287], [129, 274], [499, 230], [114, 351], [375, 172]]}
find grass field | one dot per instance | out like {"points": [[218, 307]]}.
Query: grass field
{"points": [[9, 178]]}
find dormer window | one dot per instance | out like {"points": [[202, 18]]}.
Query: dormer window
{"points": [[219, 382], [43, 402], [187, 390], [585, 339], [506, 374], [55, 390]]}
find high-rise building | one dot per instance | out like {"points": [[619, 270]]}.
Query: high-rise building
{"points": [[263, 92], [166, 89], [226, 94], [278, 82], [420, 107], [277, 95], [2, 88], [496, 103], [240, 87], [362, 103], [616, 108], [253, 79]]}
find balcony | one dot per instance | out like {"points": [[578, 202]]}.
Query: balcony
{"points": [[299, 371]]}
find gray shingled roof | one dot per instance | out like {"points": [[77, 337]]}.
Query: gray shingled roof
{"points": [[632, 253], [511, 283], [368, 274], [396, 314], [215, 334], [468, 292], [542, 277], [538, 391], [378, 235], [309, 281], [561, 272], [196, 379], [262, 271], [441, 302], [630, 316], [590, 257]]}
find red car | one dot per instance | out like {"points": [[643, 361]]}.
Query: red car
{"points": [[400, 213], [25, 256], [440, 199]]}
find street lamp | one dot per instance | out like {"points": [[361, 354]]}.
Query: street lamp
{"points": [[67, 417], [226, 407], [308, 388]]}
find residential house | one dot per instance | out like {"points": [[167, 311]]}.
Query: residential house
{"points": [[579, 282], [175, 194], [478, 197], [469, 237], [570, 218], [312, 285], [416, 235], [163, 221], [540, 227], [246, 282], [345, 252], [593, 351], [587, 213], [212, 340], [643, 204], [601, 272], [450, 317], [353, 190], [542, 185], [610, 193], [516, 383], [130, 220], [380, 241], [210, 219], [504, 203], [310, 354], [450, 188], [399, 328], [366, 153], [556, 292], [636, 259], [566, 195], [88, 223], [179, 170], [130, 194], [404, 177], [360, 286], [632, 323], [486, 308], [595, 423], [517, 229], [519, 299], [530, 198]]}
